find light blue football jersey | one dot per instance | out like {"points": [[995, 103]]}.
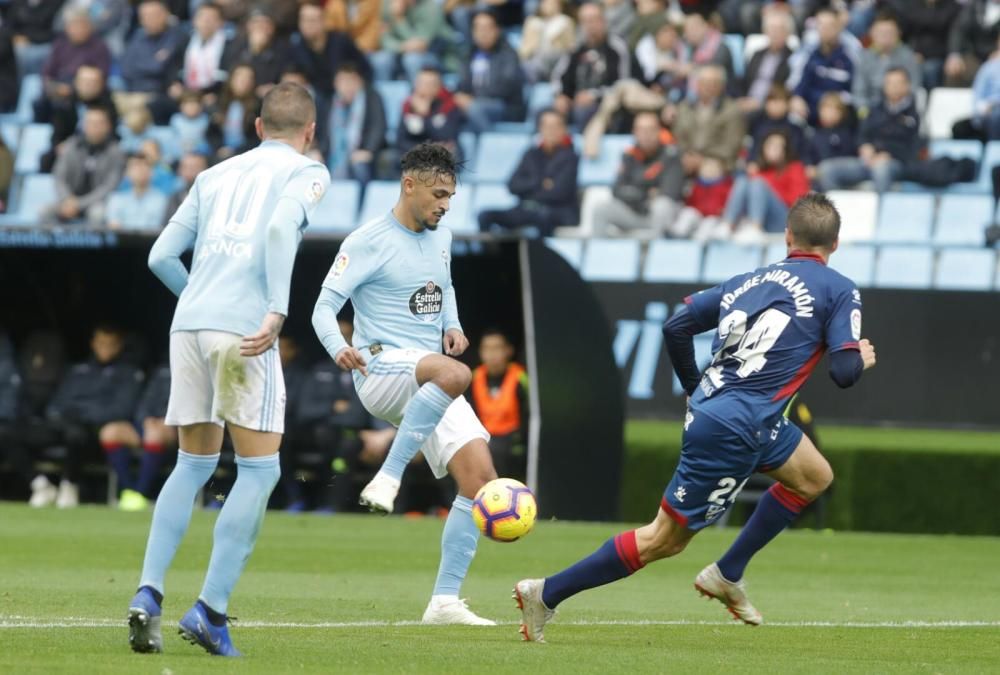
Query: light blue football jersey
{"points": [[228, 208], [399, 282]]}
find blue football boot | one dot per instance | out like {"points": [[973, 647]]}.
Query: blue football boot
{"points": [[144, 616], [198, 630]]}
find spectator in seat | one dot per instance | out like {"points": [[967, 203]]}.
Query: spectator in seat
{"points": [[88, 170], [707, 47], [544, 183], [188, 167], [191, 122], [33, 24], [415, 35], [355, 130], [202, 66], [971, 40], [111, 19], [926, 25], [834, 136], [461, 13], [94, 406], [581, 78], [828, 67], [711, 124], [232, 128], [986, 98], [153, 56], [267, 54], [547, 36], [142, 206], [319, 53], [701, 217], [361, 19], [650, 16], [889, 138], [759, 201], [886, 51], [775, 117], [76, 46], [492, 85], [499, 395], [136, 126], [89, 90], [429, 114], [9, 83], [770, 65], [620, 15], [649, 190]]}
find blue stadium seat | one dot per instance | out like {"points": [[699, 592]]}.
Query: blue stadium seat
{"points": [[513, 37], [380, 196], [967, 269], [338, 210], [31, 90], [603, 169], [11, 135], [468, 143], [904, 267], [168, 141], [611, 260], [393, 93], [856, 262], [962, 218], [38, 191], [540, 98], [498, 156], [491, 196], [36, 139], [947, 147], [570, 249], [983, 184], [776, 251], [735, 43], [672, 260], [905, 218], [459, 218], [724, 260]]}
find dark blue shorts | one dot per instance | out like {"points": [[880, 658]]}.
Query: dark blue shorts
{"points": [[715, 464]]}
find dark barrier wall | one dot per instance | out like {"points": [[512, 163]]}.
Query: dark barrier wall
{"points": [[580, 448], [938, 352]]}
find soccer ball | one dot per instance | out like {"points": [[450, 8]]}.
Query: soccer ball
{"points": [[504, 510]]}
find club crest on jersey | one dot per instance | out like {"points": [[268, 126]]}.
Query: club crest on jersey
{"points": [[339, 265], [426, 303], [315, 192]]}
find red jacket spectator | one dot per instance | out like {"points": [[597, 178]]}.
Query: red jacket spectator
{"points": [[709, 197], [789, 182]]}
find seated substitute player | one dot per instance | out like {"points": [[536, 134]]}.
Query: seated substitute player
{"points": [[244, 217], [396, 270], [773, 326]]}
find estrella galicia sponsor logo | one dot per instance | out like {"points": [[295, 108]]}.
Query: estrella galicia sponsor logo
{"points": [[425, 304]]}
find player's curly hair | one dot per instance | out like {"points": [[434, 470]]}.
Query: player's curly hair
{"points": [[814, 221], [430, 161]]}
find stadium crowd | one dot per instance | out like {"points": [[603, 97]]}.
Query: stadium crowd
{"points": [[736, 107]]}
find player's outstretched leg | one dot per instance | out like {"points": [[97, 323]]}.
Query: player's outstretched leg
{"points": [[236, 533], [472, 468], [442, 380], [802, 478], [617, 558], [170, 522]]}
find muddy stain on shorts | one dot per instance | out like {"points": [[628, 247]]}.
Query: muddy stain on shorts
{"points": [[231, 382]]}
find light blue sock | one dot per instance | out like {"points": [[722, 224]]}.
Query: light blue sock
{"points": [[422, 414], [458, 547], [173, 514], [237, 527]]}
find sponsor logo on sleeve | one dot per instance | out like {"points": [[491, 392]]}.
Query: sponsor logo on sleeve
{"points": [[856, 324]]}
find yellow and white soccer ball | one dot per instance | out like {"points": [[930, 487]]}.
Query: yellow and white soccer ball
{"points": [[505, 509]]}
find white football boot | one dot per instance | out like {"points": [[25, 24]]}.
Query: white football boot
{"points": [[69, 495], [450, 610], [380, 494], [43, 493], [711, 584], [534, 613]]}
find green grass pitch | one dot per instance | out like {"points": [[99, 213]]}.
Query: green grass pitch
{"points": [[340, 594]]}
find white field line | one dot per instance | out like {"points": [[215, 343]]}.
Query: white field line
{"points": [[11, 621]]}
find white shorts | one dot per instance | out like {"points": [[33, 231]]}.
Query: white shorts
{"points": [[388, 388], [211, 382]]}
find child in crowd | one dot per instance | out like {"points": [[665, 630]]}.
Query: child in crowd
{"points": [[834, 136], [191, 124], [700, 217]]}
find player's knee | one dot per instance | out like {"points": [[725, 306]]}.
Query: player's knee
{"points": [[820, 481], [454, 379], [664, 547], [112, 434]]}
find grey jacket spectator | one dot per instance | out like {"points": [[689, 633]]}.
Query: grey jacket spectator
{"points": [[34, 19], [886, 52], [491, 85], [95, 393], [155, 52], [88, 169], [713, 124]]}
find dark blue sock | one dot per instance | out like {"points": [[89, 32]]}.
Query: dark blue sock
{"points": [[617, 558], [775, 511], [149, 470], [118, 459]]}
